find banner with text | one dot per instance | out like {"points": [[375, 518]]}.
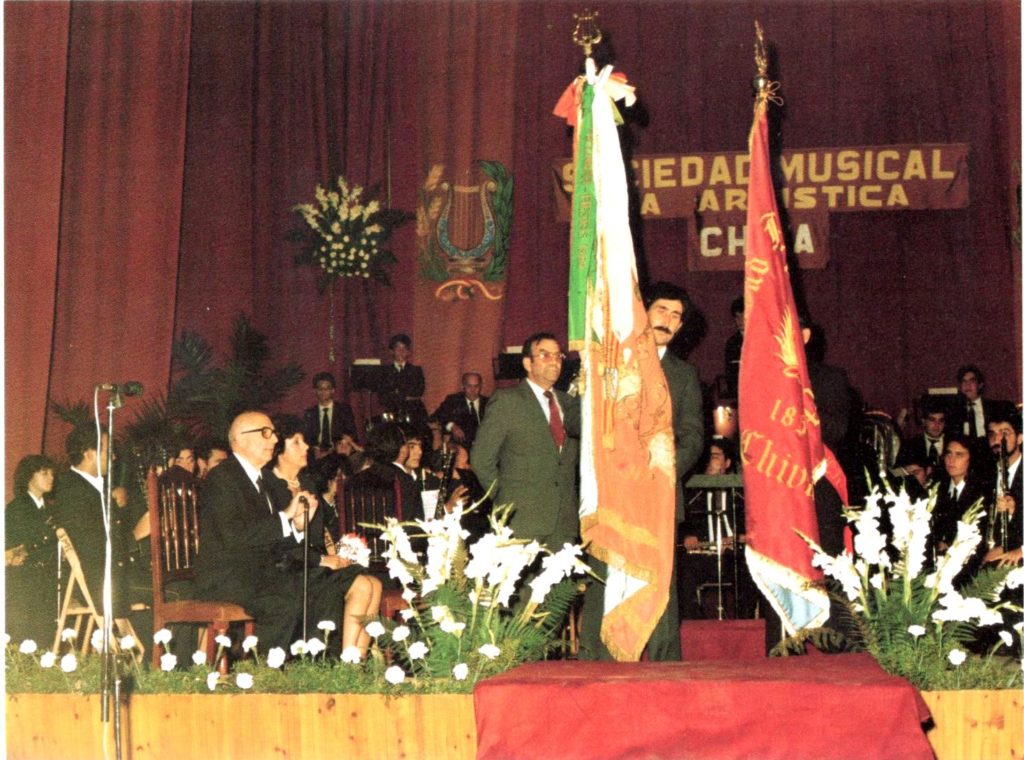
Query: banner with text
{"points": [[710, 191]]}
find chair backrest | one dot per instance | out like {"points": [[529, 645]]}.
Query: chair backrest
{"points": [[75, 575], [173, 526], [367, 498]]}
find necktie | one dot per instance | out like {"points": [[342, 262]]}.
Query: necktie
{"points": [[555, 420], [325, 430], [263, 494], [972, 426], [933, 452], [472, 411]]}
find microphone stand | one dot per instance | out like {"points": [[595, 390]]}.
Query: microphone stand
{"points": [[305, 571]]}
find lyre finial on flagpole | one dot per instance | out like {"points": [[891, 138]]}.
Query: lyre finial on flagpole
{"points": [[764, 88], [586, 34]]}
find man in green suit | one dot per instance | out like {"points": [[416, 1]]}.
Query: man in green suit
{"points": [[666, 306], [528, 443]]}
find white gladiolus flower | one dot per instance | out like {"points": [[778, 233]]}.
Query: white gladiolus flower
{"points": [[394, 675], [968, 536], [68, 634], [298, 648], [375, 629], [877, 580], [401, 633], [351, 655], [68, 663], [1013, 579], [840, 568], [407, 614], [7, 639], [460, 672], [315, 646], [910, 530], [162, 637], [244, 680], [275, 657], [555, 567], [222, 641], [957, 657], [439, 612], [490, 651], [1006, 638], [249, 643], [418, 650], [450, 626], [212, 679], [199, 657], [168, 661], [869, 542], [916, 630], [49, 658], [28, 646], [408, 595], [127, 642], [327, 625]]}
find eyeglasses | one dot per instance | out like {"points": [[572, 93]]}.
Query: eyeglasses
{"points": [[548, 356], [266, 432]]}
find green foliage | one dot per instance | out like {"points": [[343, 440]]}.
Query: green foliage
{"points": [[501, 176]]}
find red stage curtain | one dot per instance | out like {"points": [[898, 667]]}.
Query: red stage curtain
{"points": [[167, 163], [35, 63]]}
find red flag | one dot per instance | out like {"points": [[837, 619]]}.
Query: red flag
{"points": [[780, 433]]}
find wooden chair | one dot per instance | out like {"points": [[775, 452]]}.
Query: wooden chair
{"points": [[77, 605], [174, 544], [366, 498]]}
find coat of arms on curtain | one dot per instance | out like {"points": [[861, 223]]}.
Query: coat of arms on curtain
{"points": [[462, 232]]}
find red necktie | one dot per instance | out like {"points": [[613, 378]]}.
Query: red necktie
{"points": [[555, 420]]}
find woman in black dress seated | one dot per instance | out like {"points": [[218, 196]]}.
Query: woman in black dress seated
{"points": [[328, 573]]}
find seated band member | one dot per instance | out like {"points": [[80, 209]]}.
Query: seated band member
{"points": [[30, 552], [328, 419], [402, 383], [460, 413], [1004, 428], [959, 489], [243, 536], [329, 574]]}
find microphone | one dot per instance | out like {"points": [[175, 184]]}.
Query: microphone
{"points": [[127, 388]]}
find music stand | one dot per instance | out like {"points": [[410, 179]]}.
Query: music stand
{"points": [[717, 500]]}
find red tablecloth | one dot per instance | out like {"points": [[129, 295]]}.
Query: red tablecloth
{"points": [[840, 706], [721, 639]]}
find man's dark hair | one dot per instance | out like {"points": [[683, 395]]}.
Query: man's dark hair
{"points": [[534, 339], [400, 338], [27, 467], [667, 291], [728, 450], [286, 426], [324, 376], [964, 440], [384, 441], [1009, 415], [206, 447], [977, 373], [79, 441], [737, 306], [933, 405]]}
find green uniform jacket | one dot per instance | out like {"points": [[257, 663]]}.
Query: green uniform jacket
{"points": [[687, 419]]}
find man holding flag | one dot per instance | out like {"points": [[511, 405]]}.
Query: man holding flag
{"points": [[780, 431], [627, 467]]}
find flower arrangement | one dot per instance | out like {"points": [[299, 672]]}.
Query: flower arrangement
{"points": [[345, 235], [908, 613], [469, 617]]}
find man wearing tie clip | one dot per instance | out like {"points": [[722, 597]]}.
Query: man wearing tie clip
{"points": [[1004, 438]]}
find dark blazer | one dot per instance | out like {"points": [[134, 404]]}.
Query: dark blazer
{"points": [[396, 387], [832, 398], [1015, 523], [514, 447], [948, 510], [26, 525], [342, 421], [240, 538], [957, 414], [455, 409], [687, 419], [80, 513], [916, 450]]}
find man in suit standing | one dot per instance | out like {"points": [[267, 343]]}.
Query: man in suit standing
{"points": [[244, 537], [402, 384], [328, 420], [528, 443], [460, 413]]}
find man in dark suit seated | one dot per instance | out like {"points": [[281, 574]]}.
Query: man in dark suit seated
{"points": [[961, 486], [402, 383], [80, 513], [970, 412], [460, 413], [928, 445], [328, 420], [243, 538]]}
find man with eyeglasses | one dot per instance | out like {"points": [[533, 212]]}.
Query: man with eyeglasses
{"points": [[528, 442], [243, 537], [327, 420]]}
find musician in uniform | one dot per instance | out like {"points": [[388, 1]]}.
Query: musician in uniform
{"points": [[1007, 527]]}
